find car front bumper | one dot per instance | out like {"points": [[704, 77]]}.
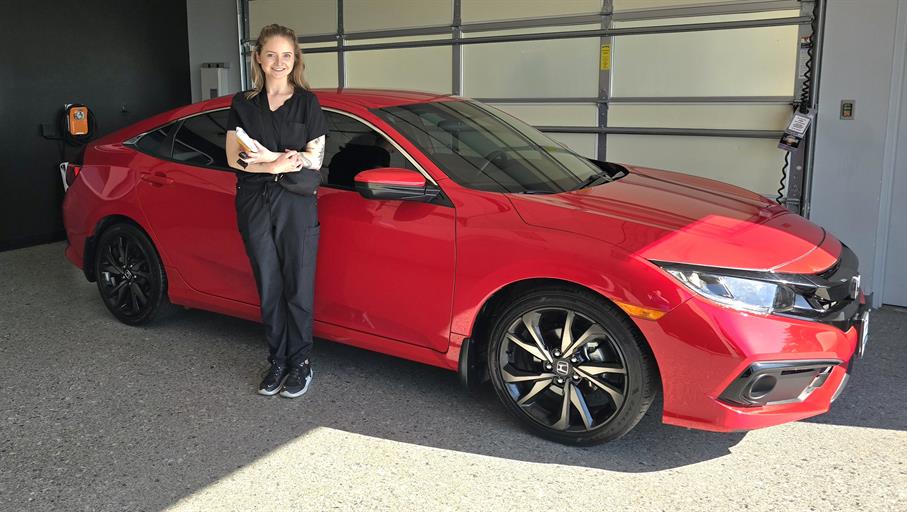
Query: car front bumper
{"points": [[704, 350]]}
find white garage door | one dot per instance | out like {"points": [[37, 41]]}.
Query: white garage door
{"points": [[699, 86]]}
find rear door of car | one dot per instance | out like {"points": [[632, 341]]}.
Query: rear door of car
{"points": [[188, 196]]}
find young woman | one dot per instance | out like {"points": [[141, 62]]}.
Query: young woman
{"points": [[280, 227]]}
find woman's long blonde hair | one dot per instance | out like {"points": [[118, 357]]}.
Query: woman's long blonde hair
{"points": [[258, 76]]}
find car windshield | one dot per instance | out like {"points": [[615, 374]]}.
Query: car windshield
{"points": [[483, 148]]}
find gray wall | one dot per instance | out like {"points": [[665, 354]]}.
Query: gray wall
{"points": [[893, 260], [213, 37], [111, 56], [853, 157]]}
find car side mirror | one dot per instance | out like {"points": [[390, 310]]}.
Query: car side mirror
{"points": [[393, 183]]}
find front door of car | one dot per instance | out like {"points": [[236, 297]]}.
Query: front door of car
{"points": [[384, 267], [188, 196]]}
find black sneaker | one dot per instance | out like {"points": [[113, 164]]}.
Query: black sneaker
{"points": [[298, 380], [273, 380]]}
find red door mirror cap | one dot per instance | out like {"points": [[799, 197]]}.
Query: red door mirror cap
{"points": [[393, 176]]}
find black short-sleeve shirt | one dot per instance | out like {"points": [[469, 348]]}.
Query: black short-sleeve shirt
{"points": [[298, 121]]}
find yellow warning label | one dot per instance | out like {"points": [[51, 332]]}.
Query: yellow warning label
{"points": [[606, 57]]}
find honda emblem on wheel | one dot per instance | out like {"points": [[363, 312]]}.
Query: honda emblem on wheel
{"points": [[563, 368]]}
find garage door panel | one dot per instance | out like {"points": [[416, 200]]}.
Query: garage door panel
{"points": [[716, 116], [484, 10], [754, 164], [552, 114], [321, 69], [312, 17], [532, 69], [740, 62], [362, 15], [418, 69]]}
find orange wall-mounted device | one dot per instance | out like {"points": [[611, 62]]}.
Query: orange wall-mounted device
{"points": [[77, 120]]}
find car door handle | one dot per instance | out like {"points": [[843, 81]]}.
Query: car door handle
{"points": [[157, 178]]}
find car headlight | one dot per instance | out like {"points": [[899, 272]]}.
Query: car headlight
{"points": [[751, 295]]}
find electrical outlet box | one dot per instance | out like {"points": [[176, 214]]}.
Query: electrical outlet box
{"points": [[847, 109]]}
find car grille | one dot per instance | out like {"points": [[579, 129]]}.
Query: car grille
{"points": [[830, 297]]}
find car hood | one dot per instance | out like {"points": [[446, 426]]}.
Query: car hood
{"points": [[667, 216]]}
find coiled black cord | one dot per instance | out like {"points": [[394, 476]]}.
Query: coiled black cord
{"points": [[783, 177], [805, 93], [806, 88]]}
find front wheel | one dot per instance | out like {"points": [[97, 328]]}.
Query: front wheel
{"points": [[130, 274], [571, 367]]}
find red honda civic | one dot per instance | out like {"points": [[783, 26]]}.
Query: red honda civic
{"points": [[456, 235]]}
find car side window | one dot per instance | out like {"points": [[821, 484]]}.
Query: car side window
{"points": [[201, 140], [352, 147], [156, 143]]}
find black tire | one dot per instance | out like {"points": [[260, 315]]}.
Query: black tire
{"points": [[130, 275], [598, 389]]}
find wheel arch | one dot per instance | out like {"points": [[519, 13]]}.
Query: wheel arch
{"points": [[473, 369], [91, 242]]}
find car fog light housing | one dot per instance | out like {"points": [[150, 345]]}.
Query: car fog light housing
{"points": [[778, 382]]}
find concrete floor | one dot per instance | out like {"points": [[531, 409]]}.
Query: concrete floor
{"points": [[95, 415]]}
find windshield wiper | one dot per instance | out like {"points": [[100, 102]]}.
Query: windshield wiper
{"points": [[593, 180]]}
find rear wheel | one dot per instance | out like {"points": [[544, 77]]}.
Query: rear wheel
{"points": [[130, 275], [571, 367]]}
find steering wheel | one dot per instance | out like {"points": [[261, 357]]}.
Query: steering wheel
{"points": [[498, 156]]}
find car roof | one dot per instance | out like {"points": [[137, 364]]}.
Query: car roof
{"points": [[339, 98], [365, 98], [378, 98]]}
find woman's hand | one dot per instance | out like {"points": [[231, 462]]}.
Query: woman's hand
{"points": [[262, 156], [288, 161], [265, 154]]}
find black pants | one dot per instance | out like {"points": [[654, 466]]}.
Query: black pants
{"points": [[280, 231]]}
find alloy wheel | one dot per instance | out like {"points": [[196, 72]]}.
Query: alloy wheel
{"points": [[125, 276], [563, 370]]}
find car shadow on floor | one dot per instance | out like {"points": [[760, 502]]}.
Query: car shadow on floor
{"points": [[452, 418], [385, 397]]}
